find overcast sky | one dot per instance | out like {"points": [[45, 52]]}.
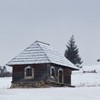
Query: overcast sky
{"points": [[51, 21]]}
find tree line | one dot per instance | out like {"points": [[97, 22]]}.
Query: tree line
{"points": [[4, 72]]}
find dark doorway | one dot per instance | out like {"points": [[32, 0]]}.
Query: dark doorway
{"points": [[60, 76]]}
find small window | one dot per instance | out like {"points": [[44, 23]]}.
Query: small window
{"points": [[29, 72], [52, 71]]}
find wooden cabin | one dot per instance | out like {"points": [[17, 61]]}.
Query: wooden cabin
{"points": [[40, 65]]}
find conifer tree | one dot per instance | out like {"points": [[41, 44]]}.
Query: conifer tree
{"points": [[72, 52]]}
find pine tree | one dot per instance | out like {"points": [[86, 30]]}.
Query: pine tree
{"points": [[71, 53]]}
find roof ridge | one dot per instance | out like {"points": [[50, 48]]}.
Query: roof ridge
{"points": [[45, 53], [42, 42]]}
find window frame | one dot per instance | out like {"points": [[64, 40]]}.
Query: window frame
{"points": [[25, 72], [52, 68], [60, 69]]}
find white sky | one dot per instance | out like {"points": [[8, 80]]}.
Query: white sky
{"points": [[52, 21]]}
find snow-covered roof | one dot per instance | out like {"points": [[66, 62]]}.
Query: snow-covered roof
{"points": [[38, 53]]}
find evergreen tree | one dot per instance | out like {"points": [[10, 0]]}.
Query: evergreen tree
{"points": [[71, 53], [98, 60]]}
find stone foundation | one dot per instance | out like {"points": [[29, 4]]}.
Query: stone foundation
{"points": [[40, 84]]}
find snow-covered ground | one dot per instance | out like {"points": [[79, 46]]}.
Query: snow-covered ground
{"points": [[87, 88], [86, 93], [87, 79], [5, 82], [80, 79]]}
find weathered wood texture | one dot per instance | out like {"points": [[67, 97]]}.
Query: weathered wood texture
{"points": [[42, 73], [18, 73], [66, 74]]}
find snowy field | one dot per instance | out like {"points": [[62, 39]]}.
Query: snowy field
{"points": [[5, 83], [87, 88], [80, 79], [86, 93]]}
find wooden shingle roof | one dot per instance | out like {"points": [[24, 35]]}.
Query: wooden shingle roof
{"points": [[39, 53]]}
